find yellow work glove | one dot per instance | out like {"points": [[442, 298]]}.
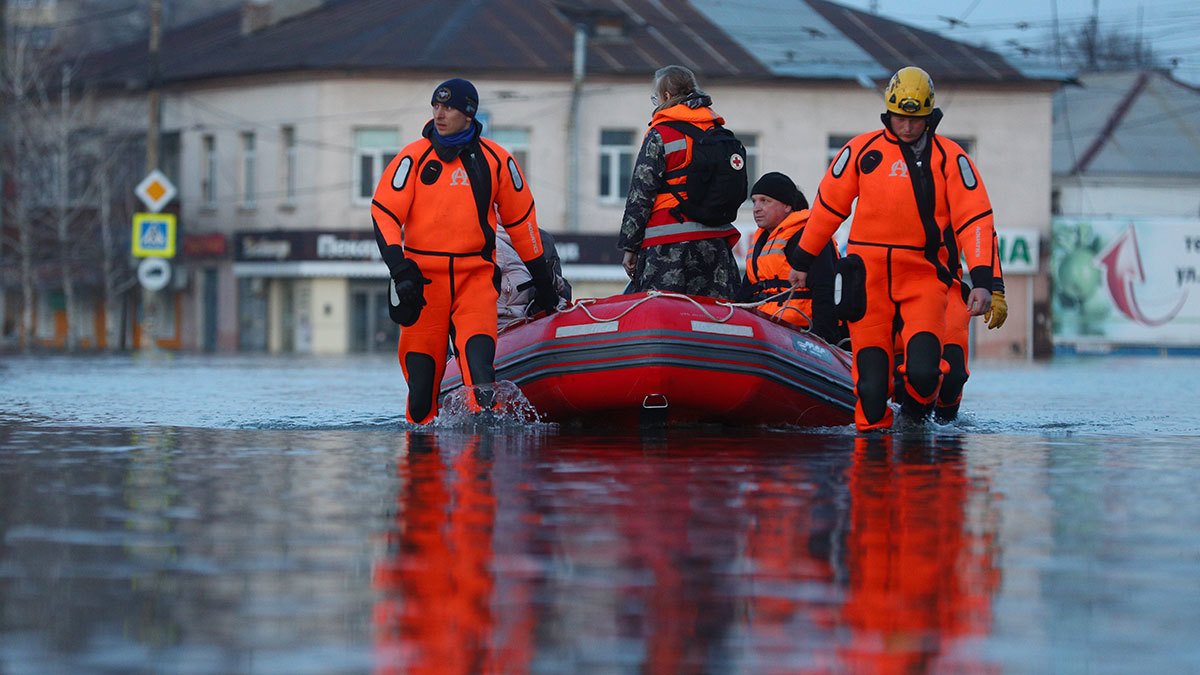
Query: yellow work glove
{"points": [[999, 311]]}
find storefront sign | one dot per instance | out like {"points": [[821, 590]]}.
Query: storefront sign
{"points": [[212, 245], [1019, 250], [587, 249], [1126, 281], [305, 245]]}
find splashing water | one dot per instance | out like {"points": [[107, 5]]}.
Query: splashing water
{"points": [[510, 408]]}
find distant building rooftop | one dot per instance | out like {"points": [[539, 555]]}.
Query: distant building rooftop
{"points": [[1127, 123], [721, 40]]}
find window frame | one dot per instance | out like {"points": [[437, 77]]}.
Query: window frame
{"points": [[249, 173], [208, 175], [614, 190], [518, 148], [289, 163], [379, 155]]}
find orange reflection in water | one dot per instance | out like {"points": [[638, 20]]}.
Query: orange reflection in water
{"points": [[921, 577], [437, 611], [713, 557]]}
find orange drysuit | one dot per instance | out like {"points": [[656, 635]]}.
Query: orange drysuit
{"points": [[905, 199], [434, 206], [767, 269], [956, 340]]}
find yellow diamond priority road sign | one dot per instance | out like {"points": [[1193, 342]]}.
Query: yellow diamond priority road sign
{"points": [[155, 191]]}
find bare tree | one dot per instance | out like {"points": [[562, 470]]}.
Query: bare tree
{"points": [[62, 224], [1092, 48], [25, 101]]}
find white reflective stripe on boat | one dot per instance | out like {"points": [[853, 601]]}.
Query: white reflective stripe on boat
{"points": [[586, 329], [722, 328]]}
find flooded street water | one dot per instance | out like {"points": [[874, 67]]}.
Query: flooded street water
{"points": [[255, 514]]}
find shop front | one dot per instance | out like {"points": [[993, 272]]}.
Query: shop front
{"points": [[311, 292]]}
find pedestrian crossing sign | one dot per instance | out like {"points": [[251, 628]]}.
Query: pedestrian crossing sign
{"points": [[154, 235]]}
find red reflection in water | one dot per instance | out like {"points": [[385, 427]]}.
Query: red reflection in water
{"points": [[919, 577], [694, 555], [436, 614]]}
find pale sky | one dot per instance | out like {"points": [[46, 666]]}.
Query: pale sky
{"points": [[1171, 27]]}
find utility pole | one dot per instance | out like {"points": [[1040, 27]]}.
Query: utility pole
{"points": [[150, 299], [579, 68], [3, 142], [155, 110]]}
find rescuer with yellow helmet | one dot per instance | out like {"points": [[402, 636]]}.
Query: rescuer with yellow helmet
{"points": [[435, 212], [911, 185]]}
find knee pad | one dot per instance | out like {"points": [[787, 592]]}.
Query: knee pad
{"points": [[872, 384], [481, 359], [956, 376], [922, 364], [420, 368]]}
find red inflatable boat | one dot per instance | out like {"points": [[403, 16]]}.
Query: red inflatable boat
{"points": [[667, 358]]}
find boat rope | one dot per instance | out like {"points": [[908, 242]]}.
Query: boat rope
{"points": [[782, 297]]}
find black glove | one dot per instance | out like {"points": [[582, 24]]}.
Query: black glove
{"points": [[404, 307], [545, 293]]}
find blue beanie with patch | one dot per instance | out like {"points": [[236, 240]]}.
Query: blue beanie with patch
{"points": [[458, 94]]}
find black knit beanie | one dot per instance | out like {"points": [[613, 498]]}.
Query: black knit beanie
{"points": [[781, 188], [458, 94]]}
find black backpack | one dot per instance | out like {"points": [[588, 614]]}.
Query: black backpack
{"points": [[715, 181]]}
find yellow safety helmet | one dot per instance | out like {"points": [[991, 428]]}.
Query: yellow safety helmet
{"points": [[910, 93]]}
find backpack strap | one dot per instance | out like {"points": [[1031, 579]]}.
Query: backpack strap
{"points": [[695, 133]]}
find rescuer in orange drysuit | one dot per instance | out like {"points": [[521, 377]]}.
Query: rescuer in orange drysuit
{"points": [[957, 337], [781, 211], [911, 184], [433, 213]]}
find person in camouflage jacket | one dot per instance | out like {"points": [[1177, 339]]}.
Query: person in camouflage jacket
{"points": [[690, 258]]}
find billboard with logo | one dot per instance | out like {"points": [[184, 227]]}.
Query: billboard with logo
{"points": [[1126, 281]]}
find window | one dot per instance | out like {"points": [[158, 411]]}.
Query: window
{"points": [[617, 153], [968, 145], [249, 169], [373, 149], [208, 180], [169, 154], [83, 165], [836, 143], [516, 141], [289, 164]]}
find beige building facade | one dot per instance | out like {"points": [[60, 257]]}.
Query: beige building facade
{"points": [[278, 131], [262, 159]]}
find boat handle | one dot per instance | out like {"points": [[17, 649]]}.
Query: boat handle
{"points": [[660, 401]]}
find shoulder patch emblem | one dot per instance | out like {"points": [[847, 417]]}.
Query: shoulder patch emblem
{"points": [[518, 183], [968, 174], [839, 164], [400, 178]]}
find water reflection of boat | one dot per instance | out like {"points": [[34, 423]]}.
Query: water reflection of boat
{"points": [[671, 358]]}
